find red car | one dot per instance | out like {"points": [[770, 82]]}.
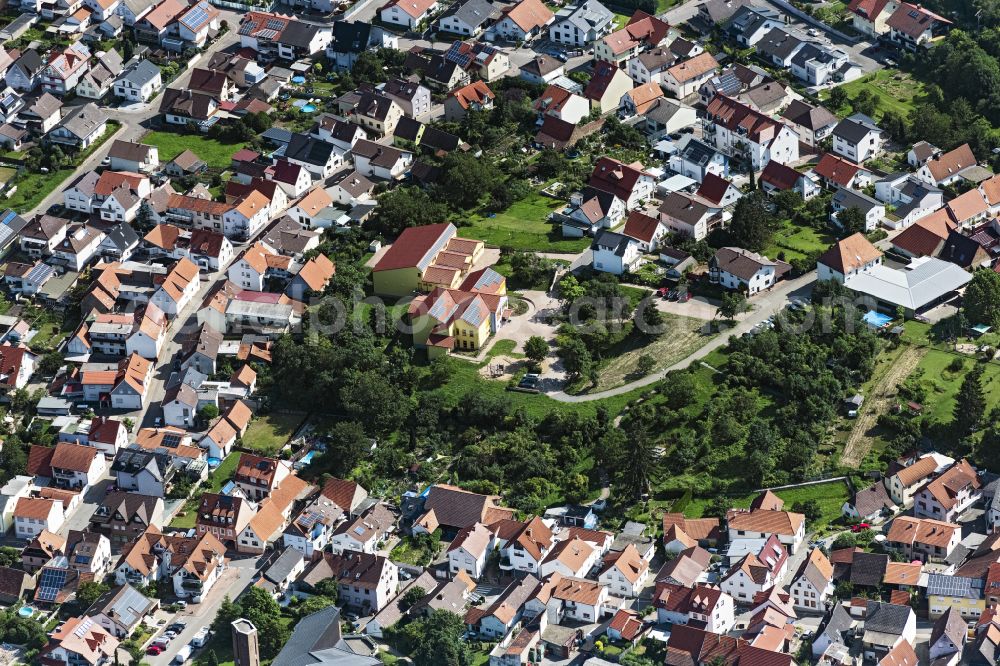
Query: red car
{"points": [[154, 650], [859, 527], [662, 292]]}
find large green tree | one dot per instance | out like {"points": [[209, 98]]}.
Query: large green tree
{"points": [[752, 224], [970, 403], [437, 640], [982, 299]]}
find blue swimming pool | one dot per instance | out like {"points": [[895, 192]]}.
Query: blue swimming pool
{"points": [[307, 108], [298, 79], [214, 462], [25, 611], [876, 319]]}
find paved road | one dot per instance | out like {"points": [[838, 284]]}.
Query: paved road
{"points": [[239, 574], [765, 305]]}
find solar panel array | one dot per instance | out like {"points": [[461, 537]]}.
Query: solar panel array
{"points": [[456, 55], [36, 274], [51, 582], [197, 16], [171, 441]]}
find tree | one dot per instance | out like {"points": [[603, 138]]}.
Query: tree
{"points": [[348, 445], [970, 403], [406, 207], [536, 348], [211, 659], [645, 364], [838, 98], [811, 509], [208, 412], [570, 289], [851, 220], [752, 224], [733, 303], [465, 178], [982, 299], [89, 592], [413, 595], [50, 363], [865, 102], [313, 604], [437, 640], [327, 588]]}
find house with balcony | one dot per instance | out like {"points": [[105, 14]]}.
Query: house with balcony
{"points": [[923, 539], [949, 495], [72, 466], [65, 68], [311, 531], [747, 134], [858, 138], [365, 582]]}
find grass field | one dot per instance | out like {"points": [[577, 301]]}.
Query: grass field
{"points": [[895, 90], [682, 337], [223, 473], [170, 144], [524, 226], [267, 434], [942, 384], [831, 497], [797, 242]]}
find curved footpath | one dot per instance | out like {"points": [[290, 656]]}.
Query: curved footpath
{"points": [[765, 305]]}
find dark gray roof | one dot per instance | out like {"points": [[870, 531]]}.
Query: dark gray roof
{"points": [[952, 626], [130, 461], [473, 12], [808, 116], [886, 618], [871, 500], [30, 62], [846, 198], [609, 240], [683, 208], [123, 236], [141, 73], [868, 569], [282, 567], [351, 37], [697, 152], [839, 622], [855, 128], [278, 135], [298, 34], [125, 605], [305, 148], [778, 43], [317, 640]]}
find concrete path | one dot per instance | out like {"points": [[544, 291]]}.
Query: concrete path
{"points": [[764, 306]]}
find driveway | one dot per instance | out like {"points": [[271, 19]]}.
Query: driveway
{"points": [[765, 305], [237, 576]]}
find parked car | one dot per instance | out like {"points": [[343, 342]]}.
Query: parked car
{"points": [[859, 527], [154, 650], [685, 297]]}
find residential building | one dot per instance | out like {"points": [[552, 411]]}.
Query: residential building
{"points": [[748, 135], [963, 594], [923, 539], [685, 78], [911, 26], [139, 82], [124, 516], [845, 259], [872, 210], [738, 269], [812, 584], [582, 24], [614, 253], [946, 169], [365, 582], [858, 138], [416, 260], [606, 87], [949, 495]]}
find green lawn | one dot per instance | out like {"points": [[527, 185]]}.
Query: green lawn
{"points": [[267, 434], [942, 385], [190, 517], [620, 20], [895, 90], [798, 242], [33, 187], [170, 144], [524, 226], [223, 473], [831, 497]]}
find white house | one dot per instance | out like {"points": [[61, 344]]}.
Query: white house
{"points": [[846, 258], [756, 572], [685, 78], [738, 269], [813, 582], [581, 24], [686, 215], [32, 515], [469, 550], [179, 287], [139, 83], [949, 495], [614, 253], [747, 134], [947, 168], [844, 199], [858, 138], [624, 572], [384, 162], [407, 13]]}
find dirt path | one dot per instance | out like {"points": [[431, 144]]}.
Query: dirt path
{"points": [[877, 403]]}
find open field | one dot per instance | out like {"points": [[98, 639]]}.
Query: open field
{"points": [[170, 144], [524, 226], [682, 337], [942, 384], [895, 91], [267, 434]]}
